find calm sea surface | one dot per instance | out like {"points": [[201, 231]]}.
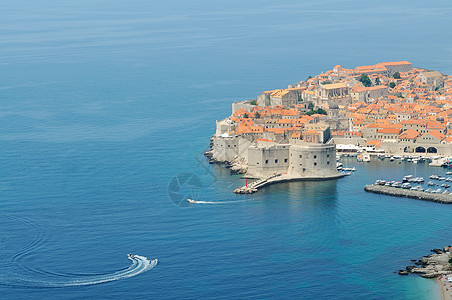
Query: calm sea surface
{"points": [[105, 103]]}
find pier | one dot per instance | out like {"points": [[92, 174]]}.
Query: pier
{"points": [[399, 192], [278, 178], [256, 185]]}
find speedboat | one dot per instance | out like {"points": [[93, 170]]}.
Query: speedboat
{"points": [[131, 256], [191, 200]]}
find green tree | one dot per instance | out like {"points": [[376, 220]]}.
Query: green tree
{"points": [[318, 111], [321, 111], [309, 77], [257, 115], [253, 102], [326, 82], [245, 115], [311, 106], [396, 75], [392, 85], [300, 99], [377, 81], [365, 80]]}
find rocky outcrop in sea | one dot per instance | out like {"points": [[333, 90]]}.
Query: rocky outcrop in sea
{"points": [[431, 266]]}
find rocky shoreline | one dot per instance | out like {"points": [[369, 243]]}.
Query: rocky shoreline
{"points": [[437, 264], [236, 166]]}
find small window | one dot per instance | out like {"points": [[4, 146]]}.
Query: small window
{"points": [[315, 164], [301, 156], [229, 146], [327, 155], [266, 161], [327, 162], [315, 156], [285, 160], [276, 161]]}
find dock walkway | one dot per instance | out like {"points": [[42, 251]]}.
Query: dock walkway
{"points": [[278, 178], [254, 186]]}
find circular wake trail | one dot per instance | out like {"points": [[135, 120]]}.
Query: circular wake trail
{"points": [[139, 265]]}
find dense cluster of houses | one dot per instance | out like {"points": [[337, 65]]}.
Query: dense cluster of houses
{"points": [[399, 108]]}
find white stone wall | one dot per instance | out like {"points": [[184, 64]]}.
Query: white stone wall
{"points": [[242, 105], [349, 141], [312, 160], [263, 100], [224, 126], [267, 160], [229, 148], [398, 68], [398, 148], [299, 160]]}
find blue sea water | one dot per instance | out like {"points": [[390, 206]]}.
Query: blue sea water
{"points": [[105, 103]]}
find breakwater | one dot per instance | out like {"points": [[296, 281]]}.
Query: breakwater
{"points": [[399, 192]]}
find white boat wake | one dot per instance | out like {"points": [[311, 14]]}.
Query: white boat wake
{"points": [[191, 201], [13, 266], [139, 265]]}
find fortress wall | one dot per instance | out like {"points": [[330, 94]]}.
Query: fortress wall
{"points": [[266, 160], [349, 141], [242, 105], [313, 160], [225, 148]]}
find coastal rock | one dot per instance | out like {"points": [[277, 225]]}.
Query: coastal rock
{"points": [[403, 272], [432, 265], [410, 268]]}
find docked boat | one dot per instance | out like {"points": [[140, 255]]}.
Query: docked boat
{"points": [[380, 182], [406, 185], [366, 157]]}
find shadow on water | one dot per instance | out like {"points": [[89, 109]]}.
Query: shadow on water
{"points": [[308, 193]]}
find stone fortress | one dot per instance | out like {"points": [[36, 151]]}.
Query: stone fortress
{"points": [[306, 154]]}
